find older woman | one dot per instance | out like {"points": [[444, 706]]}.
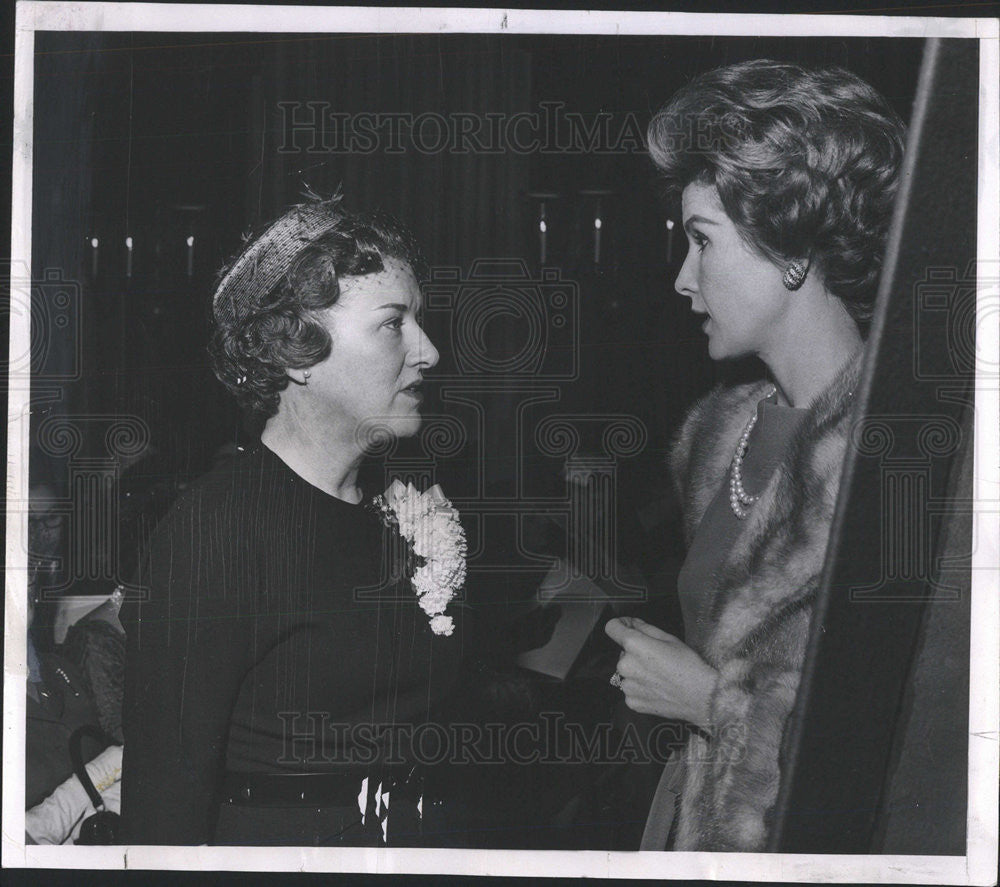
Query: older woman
{"points": [[787, 179], [267, 671]]}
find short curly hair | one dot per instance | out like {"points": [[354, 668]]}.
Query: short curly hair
{"points": [[266, 304], [806, 164]]}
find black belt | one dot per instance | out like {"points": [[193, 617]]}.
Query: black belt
{"points": [[304, 789]]}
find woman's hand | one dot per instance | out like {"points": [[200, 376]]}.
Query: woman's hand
{"points": [[661, 675]]}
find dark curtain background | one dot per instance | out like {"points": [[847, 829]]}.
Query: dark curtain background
{"points": [[178, 137]]}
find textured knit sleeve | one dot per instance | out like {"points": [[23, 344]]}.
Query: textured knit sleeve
{"points": [[188, 646]]}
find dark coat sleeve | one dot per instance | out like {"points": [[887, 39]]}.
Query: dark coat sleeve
{"points": [[188, 646]]}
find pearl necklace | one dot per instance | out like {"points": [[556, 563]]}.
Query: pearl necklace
{"points": [[739, 500]]}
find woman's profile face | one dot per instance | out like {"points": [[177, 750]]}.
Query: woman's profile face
{"points": [[378, 355], [739, 291]]}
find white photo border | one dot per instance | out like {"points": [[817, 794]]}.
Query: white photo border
{"points": [[977, 867]]}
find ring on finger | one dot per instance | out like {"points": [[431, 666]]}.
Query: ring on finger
{"points": [[616, 681]]}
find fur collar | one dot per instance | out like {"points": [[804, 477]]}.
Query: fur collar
{"points": [[779, 555]]}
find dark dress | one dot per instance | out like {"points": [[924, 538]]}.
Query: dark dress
{"points": [[719, 527], [265, 646]]}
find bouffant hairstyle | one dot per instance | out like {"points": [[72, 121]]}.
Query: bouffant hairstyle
{"points": [[806, 165], [267, 302]]}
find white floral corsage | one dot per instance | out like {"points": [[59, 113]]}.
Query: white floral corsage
{"points": [[429, 525]]}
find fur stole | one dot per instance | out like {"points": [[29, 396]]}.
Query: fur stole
{"points": [[763, 604]]}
